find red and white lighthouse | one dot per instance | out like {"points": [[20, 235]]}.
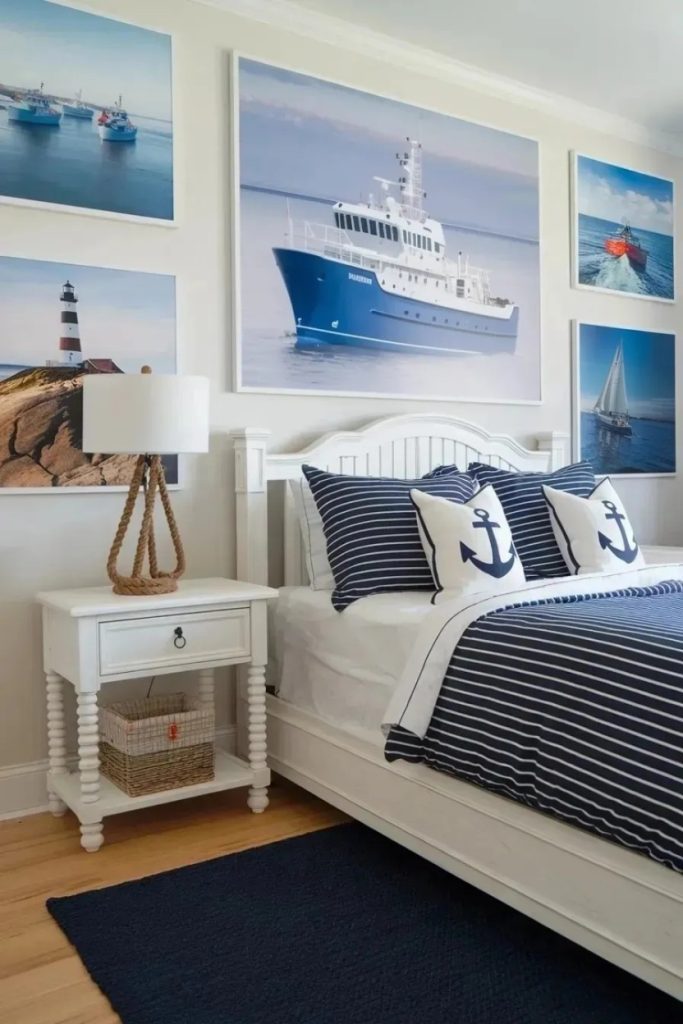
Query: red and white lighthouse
{"points": [[69, 339]]}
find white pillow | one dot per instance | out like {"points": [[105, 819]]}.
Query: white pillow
{"points": [[312, 535], [469, 547], [594, 533]]}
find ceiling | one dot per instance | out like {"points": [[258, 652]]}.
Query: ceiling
{"points": [[621, 56]]}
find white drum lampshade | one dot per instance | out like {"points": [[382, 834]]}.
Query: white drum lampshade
{"points": [[147, 415]]}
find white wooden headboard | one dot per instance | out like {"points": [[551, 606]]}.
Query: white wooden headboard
{"points": [[400, 446]]}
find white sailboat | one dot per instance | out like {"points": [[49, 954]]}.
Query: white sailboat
{"points": [[611, 408]]}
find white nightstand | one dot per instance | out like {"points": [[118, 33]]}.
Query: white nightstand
{"points": [[93, 636]]}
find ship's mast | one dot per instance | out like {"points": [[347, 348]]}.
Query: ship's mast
{"points": [[410, 183]]}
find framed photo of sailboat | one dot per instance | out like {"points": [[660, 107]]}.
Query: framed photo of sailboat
{"points": [[388, 251], [624, 403], [623, 225]]}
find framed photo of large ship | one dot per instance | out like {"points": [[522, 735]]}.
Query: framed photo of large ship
{"points": [[86, 120], [624, 403], [623, 230], [58, 323], [381, 249]]}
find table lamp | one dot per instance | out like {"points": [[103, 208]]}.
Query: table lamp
{"points": [[148, 415]]}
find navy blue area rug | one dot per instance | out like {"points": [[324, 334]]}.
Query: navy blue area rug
{"points": [[337, 927]]}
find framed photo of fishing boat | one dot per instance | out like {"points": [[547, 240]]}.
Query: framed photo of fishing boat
{"points": [[624, 401], [86, 118], [60, 322], [623, 225], [385, 250]]}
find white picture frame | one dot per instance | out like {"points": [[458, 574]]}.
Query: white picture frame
{"points": [[580, 239], [582, 447], [7, 491], [235, 238], [36, 202]]}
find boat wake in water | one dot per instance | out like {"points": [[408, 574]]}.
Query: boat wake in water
{"points": [[618, 273]]}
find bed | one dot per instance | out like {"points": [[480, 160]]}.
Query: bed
{"points": [[615, 902]]}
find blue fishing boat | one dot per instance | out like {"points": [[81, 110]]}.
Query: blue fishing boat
{"points": [[114, 125], [34, 108], [378, 276], [77, 108]]}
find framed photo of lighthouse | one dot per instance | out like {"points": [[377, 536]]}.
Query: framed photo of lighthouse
{"points": [[86, 119], [623, 230], [385, 251], [624, 408], [58, 323]]}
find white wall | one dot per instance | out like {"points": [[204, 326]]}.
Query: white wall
{"points": [[58, 540]]}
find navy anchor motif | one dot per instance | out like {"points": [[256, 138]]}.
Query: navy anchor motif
{"points": [[497, 567], [628, 553]]}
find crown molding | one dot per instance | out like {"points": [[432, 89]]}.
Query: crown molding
{"points": [[288, 16]]}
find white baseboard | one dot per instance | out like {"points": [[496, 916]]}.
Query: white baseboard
{"points": [[23, 786]]}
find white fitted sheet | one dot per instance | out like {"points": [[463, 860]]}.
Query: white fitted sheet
{"points": [[343, 666]]}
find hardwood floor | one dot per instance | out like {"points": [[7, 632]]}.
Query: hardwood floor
{"points": [[42, 980]]}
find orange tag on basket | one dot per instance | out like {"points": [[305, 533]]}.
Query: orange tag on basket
{"points": [[173, 731]]}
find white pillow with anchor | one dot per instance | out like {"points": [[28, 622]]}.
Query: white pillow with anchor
{"points": [[469, 547], [594, 533]]}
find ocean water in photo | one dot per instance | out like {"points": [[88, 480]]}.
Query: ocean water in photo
{"points": [[71, 165], [270, 358], [651, 448], [598, 268]]}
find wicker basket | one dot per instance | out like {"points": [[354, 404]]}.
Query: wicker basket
{"points": [[158, 743]]}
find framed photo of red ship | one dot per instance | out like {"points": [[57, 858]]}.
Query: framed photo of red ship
{"points": [[381, 249], [624, 402], [86, 113], [623, 230], [58, 323]]}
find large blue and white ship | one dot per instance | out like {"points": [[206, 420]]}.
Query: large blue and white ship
{"points": [[379, 276]]}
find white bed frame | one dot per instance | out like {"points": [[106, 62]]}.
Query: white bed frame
{"points": [[620, 905]]}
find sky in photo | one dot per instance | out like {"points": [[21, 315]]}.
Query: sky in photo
{"points": [[618, 194], [330, 140], [68, 50], [649, 366], [123, 315]]}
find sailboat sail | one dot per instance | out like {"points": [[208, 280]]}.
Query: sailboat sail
{"points": [[613, 395]]}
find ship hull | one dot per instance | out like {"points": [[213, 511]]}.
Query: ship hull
{"points": [[108, 134], [23, 115], [617, 247], [335, 303], [608, 423]]}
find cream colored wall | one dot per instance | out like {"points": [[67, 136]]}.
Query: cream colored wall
{"points": [[60, 540]]}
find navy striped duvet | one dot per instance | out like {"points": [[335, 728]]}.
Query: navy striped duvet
{"points": [[574, 706]]}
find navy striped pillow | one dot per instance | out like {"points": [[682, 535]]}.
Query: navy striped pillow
{"points": [[521, 495], [370, 525]]}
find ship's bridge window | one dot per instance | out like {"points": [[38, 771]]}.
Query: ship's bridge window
{"points": [[337, 219], [394, 234], [437, 246], [381, 229], [429, 244], [356, 223], [460, 287], [349, 222], [373, 227], [364, 224], [405, 235]]}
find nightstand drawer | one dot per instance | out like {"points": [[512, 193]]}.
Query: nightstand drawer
{"points": [[173, 641]]}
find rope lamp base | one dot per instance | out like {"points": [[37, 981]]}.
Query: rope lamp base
{"points": [[148, 474]]}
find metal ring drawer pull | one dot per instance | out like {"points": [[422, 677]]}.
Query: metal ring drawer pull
{"points": [[179, 640]]}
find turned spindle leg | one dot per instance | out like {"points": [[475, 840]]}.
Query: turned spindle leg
{"points": [[56, 743], [206, 686], [89, 766], [256, 697]]}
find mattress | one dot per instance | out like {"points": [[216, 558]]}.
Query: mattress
{"points": [[343, 666]]}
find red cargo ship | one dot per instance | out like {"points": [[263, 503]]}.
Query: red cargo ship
{"points": [[625, 243]]}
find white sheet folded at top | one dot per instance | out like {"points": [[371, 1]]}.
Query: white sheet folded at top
{"points": [[344, 666]]}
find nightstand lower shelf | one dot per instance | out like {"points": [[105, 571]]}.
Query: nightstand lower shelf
{"points": [[230, 773]]}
